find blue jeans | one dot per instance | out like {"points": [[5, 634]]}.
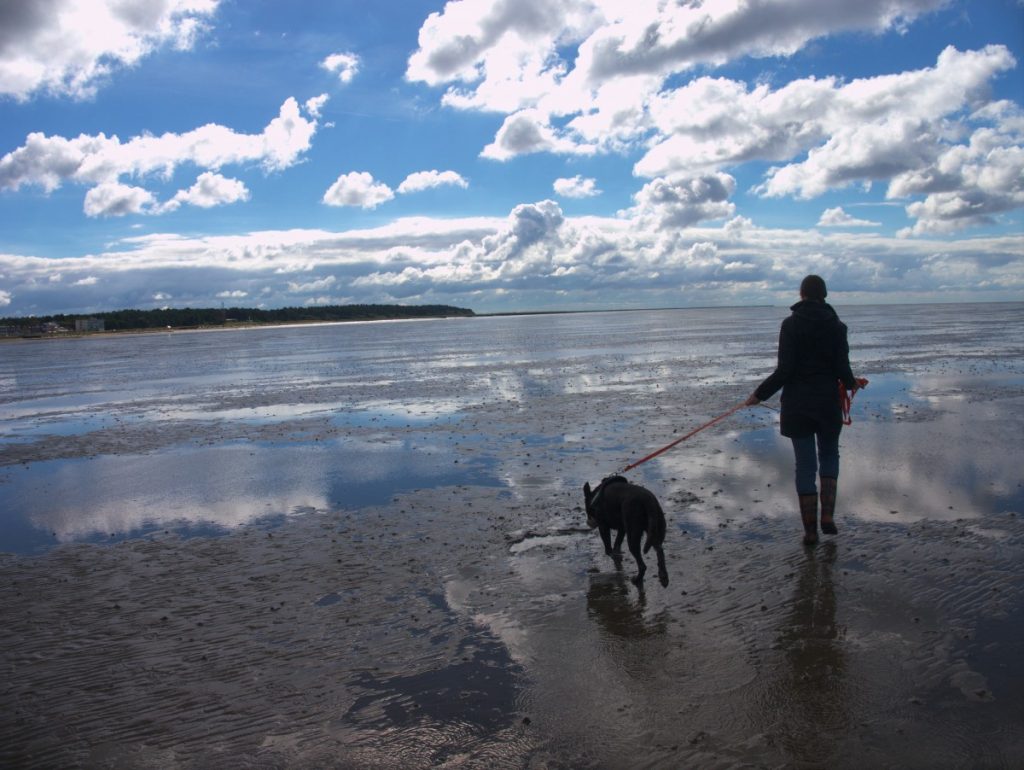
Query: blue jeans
{"points": [[816, 454]]}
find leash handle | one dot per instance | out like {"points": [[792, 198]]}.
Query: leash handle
{"points": [[846, 398], [694, 432]]}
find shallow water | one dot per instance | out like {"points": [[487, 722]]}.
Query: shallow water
{"points": [[201, 432], [400, 572]]}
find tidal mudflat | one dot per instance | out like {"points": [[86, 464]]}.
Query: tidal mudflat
{"points": [[362, 546]]}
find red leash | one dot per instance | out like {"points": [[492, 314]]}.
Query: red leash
{"points": [[845, 401], [708, 424], [846, 398]]}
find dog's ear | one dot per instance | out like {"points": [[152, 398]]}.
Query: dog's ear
{"points": [[586, 490]]}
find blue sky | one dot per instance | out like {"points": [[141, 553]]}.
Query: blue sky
{"points": [[510, 154]]}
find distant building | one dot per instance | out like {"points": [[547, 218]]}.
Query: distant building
{"points": [[90, 325]]}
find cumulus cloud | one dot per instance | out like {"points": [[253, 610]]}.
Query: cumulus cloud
{"points": [[536, 252], [969, 184], [425, 180], [209, 190], [69, 47], [665, 203], [948, 212], [888, 123], [670, 37], [357, 188], [111, 199], [907, 130], [497, 51], [526, 250], [867, 152], [529, 131], [558, 57], [311, 287], [836, 217], [236, 294], [344, 65], [587, 76], [576, 187], [50, 161], [478, 40], [528, 224], [315, 105], [5, 298]]}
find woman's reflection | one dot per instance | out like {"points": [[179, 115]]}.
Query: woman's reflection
{"points": [[811, 695]]}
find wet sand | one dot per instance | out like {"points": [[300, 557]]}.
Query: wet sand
{"points": [[480, 624]]}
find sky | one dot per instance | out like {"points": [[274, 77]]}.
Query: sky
{"points": [[508, 155]]}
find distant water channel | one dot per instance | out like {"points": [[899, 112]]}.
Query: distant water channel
{"points": [[120, 436]]}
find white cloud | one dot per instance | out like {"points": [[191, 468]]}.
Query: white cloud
{"points": [[528, 224], [357, 188], [714, 122], [312, 286], [50, 161], [518, 261], [969, 184], [90, 280], [236, 294], [882, 128], [284, 139], [69, 47], [529, 131], [209, 190], [576, 187], [667, 204], [5, 298], [651, 37], [588, 76], [112, 199], [424, 180], [836, 217], [344, 65], [558, 57], [315, 105], [504, 41]]}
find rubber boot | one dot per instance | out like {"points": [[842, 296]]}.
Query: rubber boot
{"points": [[828, 505], [809, 516]]}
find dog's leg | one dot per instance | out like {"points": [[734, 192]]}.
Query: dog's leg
{"points": [[662, 569], [617, 548], [606, 538], [635, 536]]}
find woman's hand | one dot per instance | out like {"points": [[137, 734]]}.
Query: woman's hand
{"points": [[752, 400]]}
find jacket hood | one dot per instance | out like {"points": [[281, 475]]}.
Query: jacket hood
{"points": [[814, 311]]}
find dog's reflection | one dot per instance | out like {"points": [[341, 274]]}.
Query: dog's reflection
{"points": [[618, 612]]}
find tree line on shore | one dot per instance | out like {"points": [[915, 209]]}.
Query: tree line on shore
{"points": [[127, 320]]}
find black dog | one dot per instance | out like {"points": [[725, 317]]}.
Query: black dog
{"points": [[631, 511]]}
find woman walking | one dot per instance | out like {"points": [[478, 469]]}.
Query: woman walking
{"points": [[814, 357]]}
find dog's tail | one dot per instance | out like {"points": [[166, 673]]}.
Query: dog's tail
{"points": [[655, 527]]}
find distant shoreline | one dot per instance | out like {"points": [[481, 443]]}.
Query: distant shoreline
{"points": [[238, 326], [460, 313], [193, 319]]}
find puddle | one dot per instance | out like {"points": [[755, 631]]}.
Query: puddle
{"points": [[213, 490], [480, 690]]}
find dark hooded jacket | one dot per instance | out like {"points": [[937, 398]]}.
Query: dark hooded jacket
{"points": [[814, 357]]}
